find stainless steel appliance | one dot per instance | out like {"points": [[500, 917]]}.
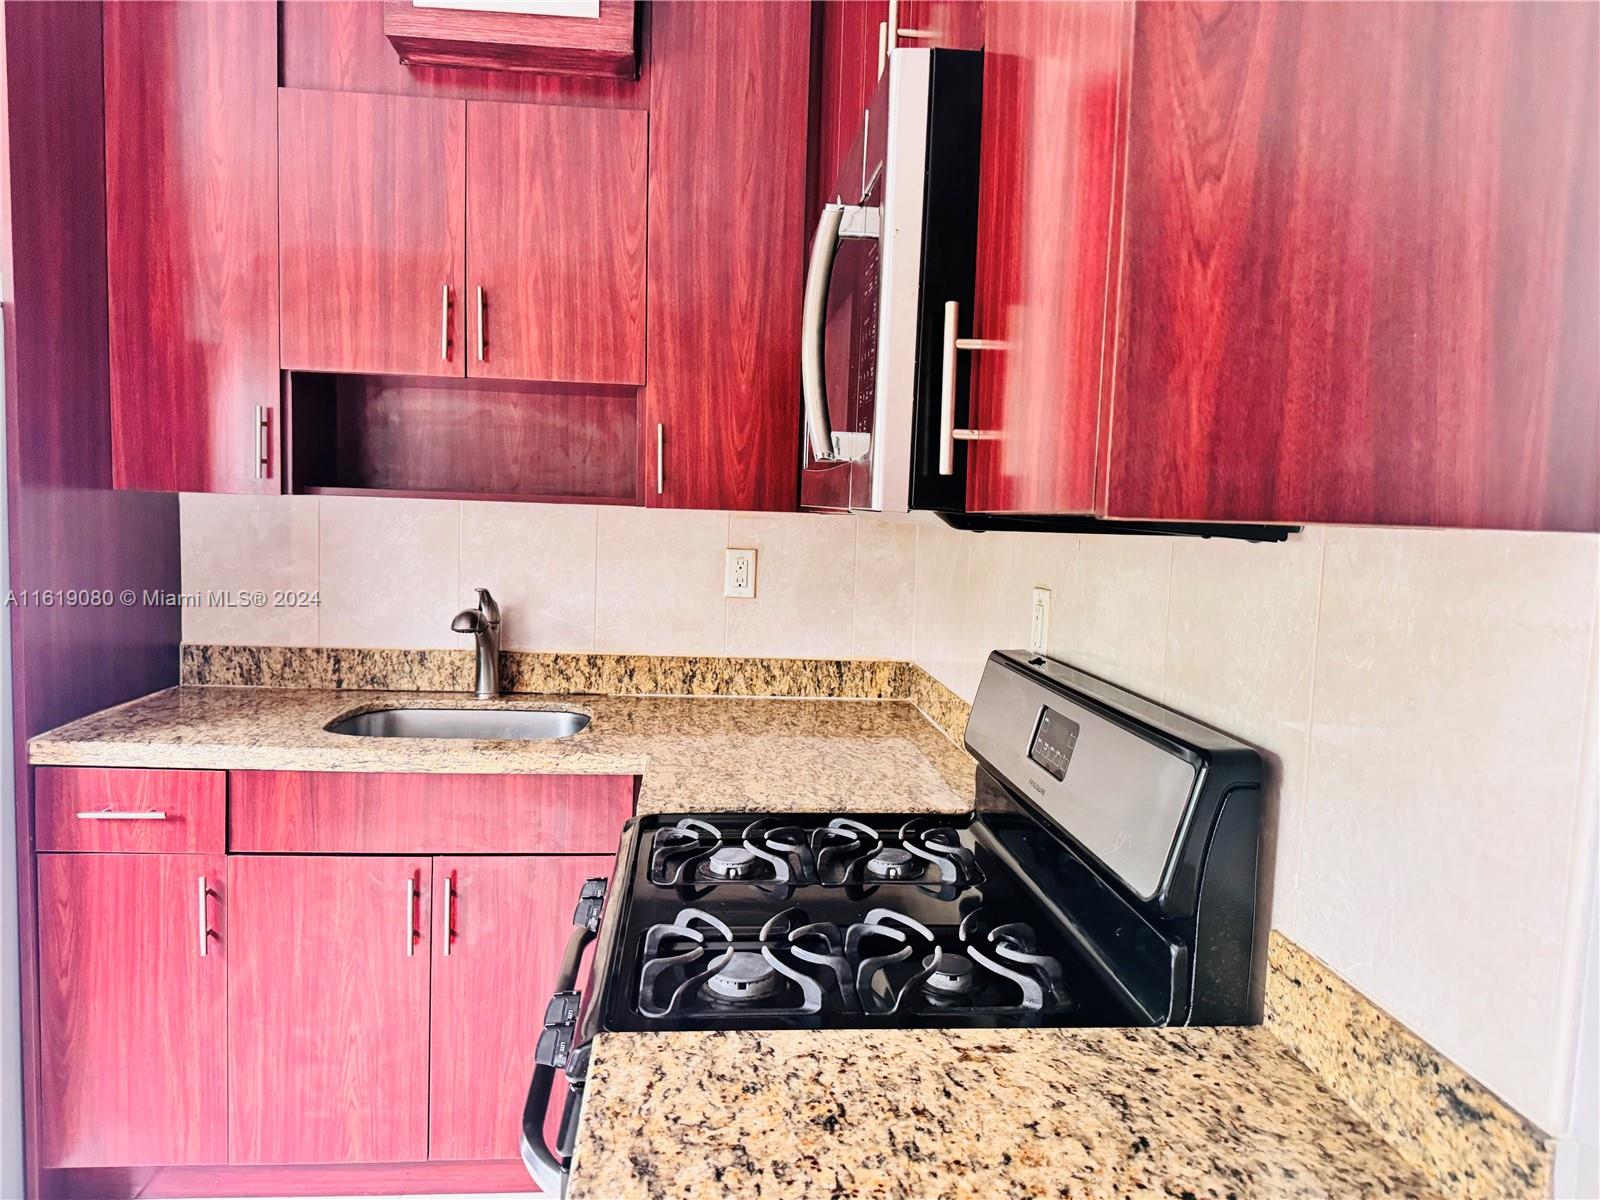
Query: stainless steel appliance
{"points": [[894, 245], [1106, 877]]}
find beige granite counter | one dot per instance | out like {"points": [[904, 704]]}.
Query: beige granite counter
{"points": [[694, 753], [1071, 1113]]}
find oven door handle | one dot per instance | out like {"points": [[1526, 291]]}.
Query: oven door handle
{"points": [[813, 333], [547, 1169]]}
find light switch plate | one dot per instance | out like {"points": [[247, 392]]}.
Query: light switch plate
{"points": [[739, 574], [1039, 622]]}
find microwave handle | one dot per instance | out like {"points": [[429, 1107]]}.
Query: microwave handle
{"points": [[813, 330]]}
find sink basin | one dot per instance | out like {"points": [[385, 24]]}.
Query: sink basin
{"points": [[483, 724]]}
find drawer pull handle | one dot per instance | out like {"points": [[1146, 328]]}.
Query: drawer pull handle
{"points": [[122, 816], [449, 897]]}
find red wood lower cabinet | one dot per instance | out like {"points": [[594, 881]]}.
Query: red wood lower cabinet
{"points": [[502, 926], [133, 1009], [328, 1010]]}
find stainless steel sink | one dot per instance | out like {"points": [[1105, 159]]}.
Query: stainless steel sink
{"points": [[482, 724]]}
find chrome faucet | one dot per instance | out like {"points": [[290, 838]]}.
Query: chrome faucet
{"points": [[483, 623]]}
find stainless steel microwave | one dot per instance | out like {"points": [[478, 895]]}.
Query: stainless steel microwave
{"points": [[889, 279]]}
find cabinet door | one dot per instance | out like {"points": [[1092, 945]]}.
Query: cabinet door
{"points": [[729, 85], [849, 35], [132, 1009], [503, 924], [1362, 266], [957, 24], [1050, 139], [555, 243], [192, 245], [328, 1010], [371, 232]]}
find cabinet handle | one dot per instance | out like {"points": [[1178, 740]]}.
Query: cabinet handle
{"points": [[661, 458], [205, 934], [948, 433], [122, 816], [411, 915], [480, 322], [263, 453], [444, 324], [449, 895]]}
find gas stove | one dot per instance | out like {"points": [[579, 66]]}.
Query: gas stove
{"points": [[1105, 877]]}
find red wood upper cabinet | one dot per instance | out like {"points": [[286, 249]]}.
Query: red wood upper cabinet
{"points": [[328, 1010], [133, 1019], [1050, 150], [1361, 272], [191, 245], [850, 38], [502, 926], [729, 89], [555, 243], [603, 44], [372, 232]]}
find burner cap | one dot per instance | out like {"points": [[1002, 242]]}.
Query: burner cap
{"points": [[953, 977], [894, 863], [746, 978], [732, 862]]}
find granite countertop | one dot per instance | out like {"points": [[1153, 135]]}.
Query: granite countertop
{"points": [[1071, 1113], [705, 754]]}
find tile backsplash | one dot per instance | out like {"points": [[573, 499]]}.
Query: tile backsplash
{"points": [[1425, 699]]}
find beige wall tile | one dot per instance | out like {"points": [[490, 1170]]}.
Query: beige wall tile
{"points": [[249, 543], [658, 582], [1117, 610], [390, 572], [539, 561], [1241, 637], [941, 633], [805, 586], [886, 567], [1443, 794]]}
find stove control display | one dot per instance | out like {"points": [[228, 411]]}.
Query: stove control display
{"points": [[1053, 742]]}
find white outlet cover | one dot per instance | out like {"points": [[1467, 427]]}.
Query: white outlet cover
{"points": [[1039, 621], [739, 574]]}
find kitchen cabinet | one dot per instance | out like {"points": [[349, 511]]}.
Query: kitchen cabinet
{"points": [[603, 44], [328, 1009], [556, 242], [953, 24], [372, 246], [1265, 263], [850, 37], [729, 121], [133, 1020], [502, 926], [129, 811], [191, 245]]}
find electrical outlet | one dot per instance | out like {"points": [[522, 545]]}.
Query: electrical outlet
{"points": [[1039, 624], [739, 574]]}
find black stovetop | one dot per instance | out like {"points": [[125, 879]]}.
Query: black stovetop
{"points": [[838, 922]]}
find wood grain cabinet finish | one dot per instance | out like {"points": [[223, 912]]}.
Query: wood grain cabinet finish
{"points": [[1361, 279], [128, 810], [192, 245], [955, 24], [328, 1009], [729, 125], [336, 812], [556, 243], [1050, 146], [604, 44], [501, 927], [372, 232], [133, 1023]]}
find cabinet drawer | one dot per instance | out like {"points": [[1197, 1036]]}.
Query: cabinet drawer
{"points": [[130, 811], [336, 812]]}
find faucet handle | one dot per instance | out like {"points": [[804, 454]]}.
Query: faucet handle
{"points": [[487, 606]]}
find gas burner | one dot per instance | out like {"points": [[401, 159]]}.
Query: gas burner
{"points": [[746, 978], [677, 850], [949, 976], [731, 862], [892, 863], [941, 846]]}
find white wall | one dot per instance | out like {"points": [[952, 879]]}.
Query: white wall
{"points": [[1425, 698]]}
